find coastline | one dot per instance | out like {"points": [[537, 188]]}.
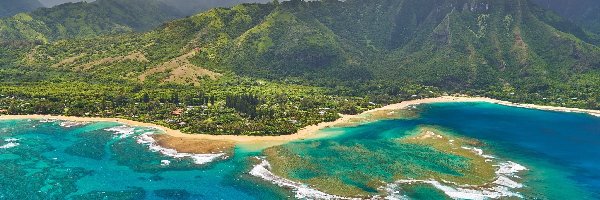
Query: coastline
{"points": [[308, 132]]}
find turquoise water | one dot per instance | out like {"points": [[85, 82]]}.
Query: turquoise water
{"points": [[88, 162], [560, 150]]}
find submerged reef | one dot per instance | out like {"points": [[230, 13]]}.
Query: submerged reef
{"points": [[358, 167]]}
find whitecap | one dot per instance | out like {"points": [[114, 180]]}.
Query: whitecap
{"points": [[478, 152], [48, 120], [68, 124], [165, 162], [509, 168], [11, 142], [505, 181], [122, 131], [9, 145]]}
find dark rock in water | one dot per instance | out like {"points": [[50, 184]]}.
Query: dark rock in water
{"points": [[156, 178], [172, 194]]}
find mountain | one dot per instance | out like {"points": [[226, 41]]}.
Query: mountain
{"points": [[582, 12], [84, 20], [193, 6], [12, 7], [456, 45]]}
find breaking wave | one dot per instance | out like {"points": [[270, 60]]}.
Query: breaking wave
{"points": [[199, 159], [302, 191], [10, 143]]}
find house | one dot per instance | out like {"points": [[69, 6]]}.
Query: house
{"points": [[177, 111]]}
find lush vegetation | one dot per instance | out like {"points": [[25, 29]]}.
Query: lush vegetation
{"points": [[85, 20], [12, 7], [269, 69], [582, 12], [101, 17], [231, 105]]}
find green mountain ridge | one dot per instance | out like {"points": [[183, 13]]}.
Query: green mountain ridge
{"points": [[12, 7], [449, 44], [582, 12], [85, 20]]}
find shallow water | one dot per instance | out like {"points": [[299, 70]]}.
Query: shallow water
{"points": [[88, 162], [43, 160]]}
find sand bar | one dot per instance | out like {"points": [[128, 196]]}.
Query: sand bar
{"points": [[307, 132]]}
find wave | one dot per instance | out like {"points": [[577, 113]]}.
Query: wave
{"points": [[11, 143], [48, 120], [302, 191], [69, 124], [199, 159], [499, 188], [478, 152], [125, 131], [122, 132]]}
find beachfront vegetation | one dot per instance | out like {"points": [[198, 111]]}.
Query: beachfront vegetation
{"points": [[269, 69]]}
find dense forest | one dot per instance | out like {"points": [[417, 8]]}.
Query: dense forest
{"points": [[12, 7], [93, 18], [582, 12], [270, 69]]}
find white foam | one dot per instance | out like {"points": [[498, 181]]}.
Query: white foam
{"points": [[9, 145], [122, 131], [505, 181], [199, 159], [478, 152], [467, 193], [509, 168], [12, 142], [68, 124], [302, 191], [48, 120], [165, 162]]}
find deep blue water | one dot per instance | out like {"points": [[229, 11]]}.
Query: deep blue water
{"points": [[554, 145], [561, 151]]}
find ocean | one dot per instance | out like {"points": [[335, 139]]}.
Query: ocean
{"points": [[449, 150]]}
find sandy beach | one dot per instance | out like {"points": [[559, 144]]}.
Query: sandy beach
{"points": [[305, 133]]}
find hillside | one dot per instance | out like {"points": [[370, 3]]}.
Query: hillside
{"points": [[51, 3], [85, 20], [190, 7], [582, 12], [12, 7], [279, 65], [456, 45]]}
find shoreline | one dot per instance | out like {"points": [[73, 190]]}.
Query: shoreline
{"points": [[308, 132]]}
